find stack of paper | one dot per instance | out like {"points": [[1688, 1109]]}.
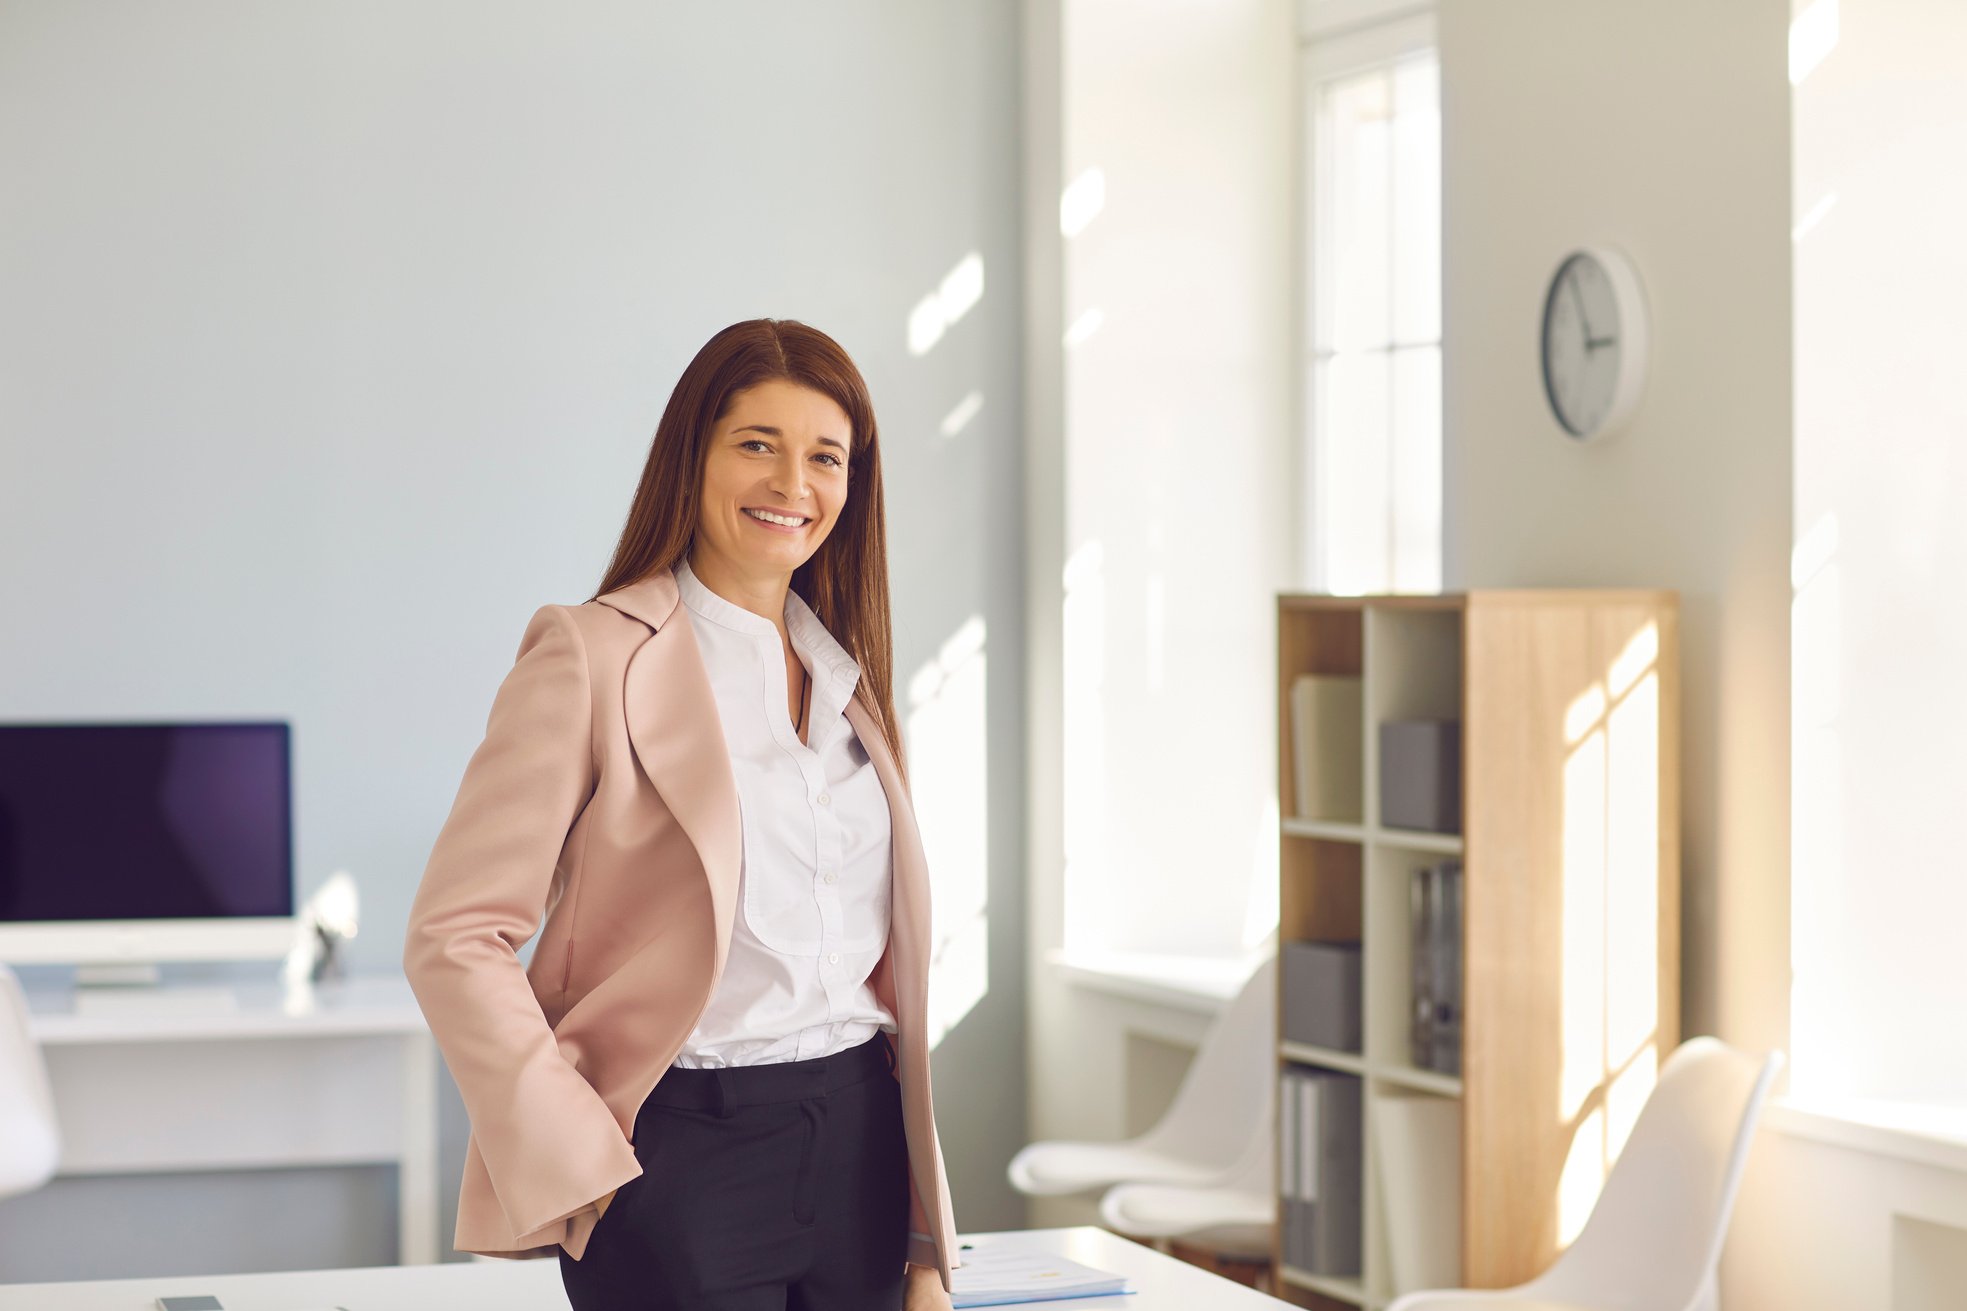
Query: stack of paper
{"points": [[1000, 1276]]}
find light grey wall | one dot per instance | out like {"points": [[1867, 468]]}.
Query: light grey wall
{"points": [[331, 342], [1661, 128]]}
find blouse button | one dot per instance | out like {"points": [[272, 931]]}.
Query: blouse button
{"points": [[833, 958], [825, 800], [831, 876]]}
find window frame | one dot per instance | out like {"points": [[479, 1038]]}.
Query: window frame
{"points": [[1338, 39]]}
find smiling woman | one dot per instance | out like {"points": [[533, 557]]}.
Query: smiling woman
{"points": [[710, 1089]]}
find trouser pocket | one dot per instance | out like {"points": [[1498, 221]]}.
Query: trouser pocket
{"points": [[812, 1114]]}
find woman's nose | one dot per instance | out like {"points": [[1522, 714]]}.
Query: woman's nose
{"points": [[789, 479]]}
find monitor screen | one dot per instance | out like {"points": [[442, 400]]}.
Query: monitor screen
{"points": [[144, 821]]}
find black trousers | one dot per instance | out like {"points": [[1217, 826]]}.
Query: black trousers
{"points": [[778, 1187]]}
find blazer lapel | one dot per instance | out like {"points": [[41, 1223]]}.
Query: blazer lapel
{"points": [[679, 739], [908, 937]]}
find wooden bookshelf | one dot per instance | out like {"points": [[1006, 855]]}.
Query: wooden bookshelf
{"points": [[1569, 707]]}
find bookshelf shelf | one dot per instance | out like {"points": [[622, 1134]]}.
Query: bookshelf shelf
{"points": [[1305, 1054], [1427, 1081], [1460, 1174], [1324, 828], [1445, 843]]}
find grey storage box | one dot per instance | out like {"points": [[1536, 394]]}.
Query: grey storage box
{"points": [[1321, 995], [1421, 775]]}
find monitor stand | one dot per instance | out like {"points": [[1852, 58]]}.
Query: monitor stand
{"points": [[137, 988]]}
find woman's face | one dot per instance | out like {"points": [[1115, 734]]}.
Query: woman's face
{"points": [[783, 449]]}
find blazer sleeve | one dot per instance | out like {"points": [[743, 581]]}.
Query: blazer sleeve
{"points": [[550, 1144]]}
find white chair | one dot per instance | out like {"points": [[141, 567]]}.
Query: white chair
{"points": [[1653, 1240], [1221, 1113], [30, 1140], [1233, 1217]]}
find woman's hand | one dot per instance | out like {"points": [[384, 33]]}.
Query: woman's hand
{"points": [[923, 1290]]}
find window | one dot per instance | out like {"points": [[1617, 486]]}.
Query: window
{"points": [[1372, 310]]}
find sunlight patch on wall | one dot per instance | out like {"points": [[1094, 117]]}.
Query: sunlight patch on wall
{"points": [[1087, 917], [1083, 327], [959, 417], [1610, 989], [960, 289], [948, 726], [1812, 36], [1081, 202]]}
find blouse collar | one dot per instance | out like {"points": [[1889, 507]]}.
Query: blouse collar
{"points": [[835, 671]]}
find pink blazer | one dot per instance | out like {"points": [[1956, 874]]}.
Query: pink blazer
{"points": [[602, 797]]}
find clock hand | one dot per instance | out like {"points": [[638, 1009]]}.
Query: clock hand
{"points": [[1583, 318], [1593, 343]]}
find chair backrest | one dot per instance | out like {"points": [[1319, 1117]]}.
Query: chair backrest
{"points": [[1228, 1092], [30, 1142], [1654, 1238]]}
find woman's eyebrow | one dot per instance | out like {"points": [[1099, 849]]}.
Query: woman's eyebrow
{"points": [[774, 432]]}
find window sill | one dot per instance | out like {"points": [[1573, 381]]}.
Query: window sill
{"points": [[1201, 984], [1907, 1131]]}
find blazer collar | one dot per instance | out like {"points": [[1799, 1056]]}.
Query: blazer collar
{"points": [[653, 600]]}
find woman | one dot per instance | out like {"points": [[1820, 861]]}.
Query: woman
{"points": [[710, 1087]]}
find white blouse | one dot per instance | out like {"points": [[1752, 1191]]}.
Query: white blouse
{"points": [[814, 884]]}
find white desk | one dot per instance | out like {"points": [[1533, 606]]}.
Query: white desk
{"points": [[1161, 1283], [345, 1074]]}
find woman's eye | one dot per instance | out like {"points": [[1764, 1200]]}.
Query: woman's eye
{"points": [[832, 459]]}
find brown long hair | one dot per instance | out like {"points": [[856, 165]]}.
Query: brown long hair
{"points": [[846, 580]]}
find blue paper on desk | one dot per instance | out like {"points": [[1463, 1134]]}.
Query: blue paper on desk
{"points": [[1003, 1276]]}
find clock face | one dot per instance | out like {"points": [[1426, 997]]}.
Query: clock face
{"points": [[1584, 346]]}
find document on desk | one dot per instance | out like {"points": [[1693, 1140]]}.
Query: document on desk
{"points": [[994, 1276]]}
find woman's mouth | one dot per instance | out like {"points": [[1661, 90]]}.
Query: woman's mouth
{"points": [[779, 523]]}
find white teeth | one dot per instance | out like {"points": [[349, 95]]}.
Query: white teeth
{"points": [[769, 517]]}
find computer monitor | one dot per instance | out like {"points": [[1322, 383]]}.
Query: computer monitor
{"points": [[145, 842]]}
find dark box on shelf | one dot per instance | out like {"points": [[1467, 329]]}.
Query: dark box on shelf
{"points": [[1321, 995], [1421, 775]]}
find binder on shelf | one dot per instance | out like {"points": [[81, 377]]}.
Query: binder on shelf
{"points": [[1420, 914], [1287, 1166], [1320, 1150], [1435, 906], [1335, 1129], [1307, 1165], [1327, 736], [1446, 1055]]}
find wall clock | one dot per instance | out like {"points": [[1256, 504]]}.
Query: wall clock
{"points": [[1594, 342]]}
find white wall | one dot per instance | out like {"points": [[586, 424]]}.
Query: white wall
{"points": [[1881, 476], [1826, 1226], [1179, 446], [1661, 128], [1162, 513], [331, 341], [1881, 470]]}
